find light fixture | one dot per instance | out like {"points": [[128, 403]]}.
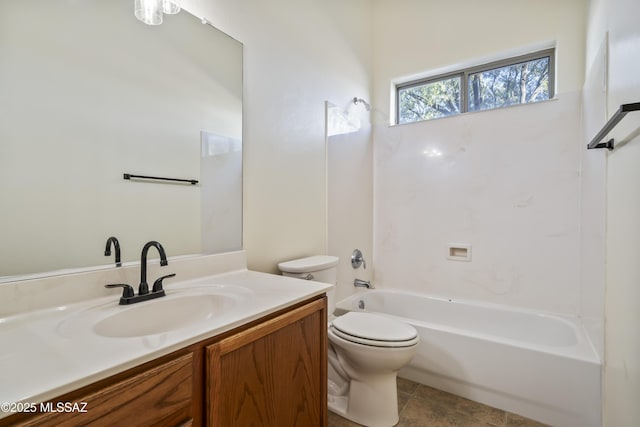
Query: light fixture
{"points": [[170, 7], [151, 11]]}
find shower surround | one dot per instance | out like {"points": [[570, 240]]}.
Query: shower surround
{"points": [[505, 182]]}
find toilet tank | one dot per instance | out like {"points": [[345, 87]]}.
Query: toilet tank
{"points": [[319, 268]]}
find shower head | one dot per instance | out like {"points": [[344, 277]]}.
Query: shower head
{"points": [[357, 101]]}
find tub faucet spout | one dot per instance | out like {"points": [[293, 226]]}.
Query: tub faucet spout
{"points": [[362, 283]]}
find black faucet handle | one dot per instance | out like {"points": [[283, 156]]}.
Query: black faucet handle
{"points": [[157, 285], [127, 290]]}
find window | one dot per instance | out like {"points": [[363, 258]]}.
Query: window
{"points": [[520, 80]]}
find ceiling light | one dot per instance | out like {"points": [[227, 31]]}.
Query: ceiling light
{"points": [[170, 7], [151, 11]]}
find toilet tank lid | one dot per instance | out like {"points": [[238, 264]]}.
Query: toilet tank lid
{"points": [[308, 264]]}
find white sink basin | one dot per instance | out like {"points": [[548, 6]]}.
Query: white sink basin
{"points": [[162, 315], [177, 310]]}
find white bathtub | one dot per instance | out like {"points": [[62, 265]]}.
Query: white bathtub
{"points": [[537, 365]]}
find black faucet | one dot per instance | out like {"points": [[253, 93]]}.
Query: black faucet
{"points": [[116, 246], [128, 295], [144, 287]]}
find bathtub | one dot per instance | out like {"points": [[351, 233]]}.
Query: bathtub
{"points": [[538, 365]]}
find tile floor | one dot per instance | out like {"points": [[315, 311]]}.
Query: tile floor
{"points": [[422, 406]]}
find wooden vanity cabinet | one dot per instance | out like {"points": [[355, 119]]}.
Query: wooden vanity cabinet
{"points": [[158, 396], [271, 372]]}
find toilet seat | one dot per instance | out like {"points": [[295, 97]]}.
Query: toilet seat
{"points": [[373, 330]]}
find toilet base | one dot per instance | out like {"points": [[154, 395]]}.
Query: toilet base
{"points": [[338, 404], [372, 404]]}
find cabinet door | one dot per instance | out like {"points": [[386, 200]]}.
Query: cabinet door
{"points": [[160, 396], [273, 374]]}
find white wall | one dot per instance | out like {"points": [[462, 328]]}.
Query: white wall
{"points": [[412, 36], [622, 177], [507, 182], [593, 197], [297, 54], [622, 316], [350, 201]]}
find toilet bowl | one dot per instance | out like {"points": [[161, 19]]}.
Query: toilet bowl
{"points": [[365, 352]]}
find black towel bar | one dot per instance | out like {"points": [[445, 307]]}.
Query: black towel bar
{"points": [[158, 178], [613, 121]]}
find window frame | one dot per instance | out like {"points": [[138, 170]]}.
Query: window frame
{"points": [[464, 73]]}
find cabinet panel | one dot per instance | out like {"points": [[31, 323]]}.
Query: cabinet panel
{"points": [[273, 374], [160, 396]]}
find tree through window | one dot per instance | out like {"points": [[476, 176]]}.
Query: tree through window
{"points": [[521, 80]]}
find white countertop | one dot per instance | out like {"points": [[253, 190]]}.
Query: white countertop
{"points": [[51, 351]]}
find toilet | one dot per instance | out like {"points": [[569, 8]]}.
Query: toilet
{"points": [[365, 352]]}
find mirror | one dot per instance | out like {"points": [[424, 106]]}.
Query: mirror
{"points": [[87, 94]]}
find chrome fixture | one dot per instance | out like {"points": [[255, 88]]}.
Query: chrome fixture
{"points": [[128, 295], [362, 283], [357, 259], [116, 246], [357, 101], [151, 11]]}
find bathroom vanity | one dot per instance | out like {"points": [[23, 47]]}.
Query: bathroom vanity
{"points": [[260, 359]]}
